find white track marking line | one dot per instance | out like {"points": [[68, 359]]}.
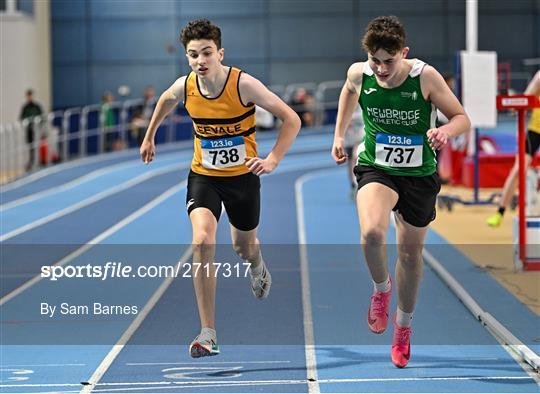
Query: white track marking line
{"points": [[523, 355], [311, 358], [119, 225], [40, 365], [181, 145], [90, 200], [223, 383], [117, 348], [106, 363], [111, 230], [212, 363], [76, 182], [81, 162]]}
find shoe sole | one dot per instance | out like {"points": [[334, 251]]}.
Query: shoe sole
{"points": [[372, 329], [399, 366], [197, 351]]}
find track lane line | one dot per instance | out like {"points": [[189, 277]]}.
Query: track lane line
{"points": [[90, 200]]}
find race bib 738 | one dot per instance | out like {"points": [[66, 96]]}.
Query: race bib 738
{"points": [[223, 152]]}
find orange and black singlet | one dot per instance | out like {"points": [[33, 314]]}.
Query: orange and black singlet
{"points": [[224, 128]]}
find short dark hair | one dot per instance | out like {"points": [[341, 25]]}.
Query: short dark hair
{"points": [[384, 32], [201, 29]]}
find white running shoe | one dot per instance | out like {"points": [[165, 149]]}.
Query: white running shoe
{"points": [[260, 284], [204, 345]]}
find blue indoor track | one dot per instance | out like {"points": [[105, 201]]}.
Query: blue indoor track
{"points": [[310, 335]]}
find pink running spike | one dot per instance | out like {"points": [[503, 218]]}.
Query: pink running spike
{"points": [[377, 317], [401, 346]]}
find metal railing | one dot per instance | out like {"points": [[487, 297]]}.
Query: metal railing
{"points": [[61, 136]]}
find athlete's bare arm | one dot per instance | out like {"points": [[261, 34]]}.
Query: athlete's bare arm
{"points": [[348, 100], [168, 100], [435, 89], [533, 88], [253, 91]]}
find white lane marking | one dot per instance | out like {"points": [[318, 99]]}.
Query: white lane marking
{"points": [[309, 339], [113, 353], [42, 365], [121, 224], [78, 181], [216, 362], [82, 162], [523, 355], [117, 348], [223, 383], [111, 230], [188, 144], [194, 372], [90, 200]]}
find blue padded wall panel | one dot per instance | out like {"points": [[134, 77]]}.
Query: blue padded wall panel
{"points": [[131, 8], [136, 76], [69, 42], [322, 37], [286, 72], [132, 39], [515, 39], [456, 37], [193, 9], [302, 7], [504, 6], [70, 86], [401, 7], [68, 9]]}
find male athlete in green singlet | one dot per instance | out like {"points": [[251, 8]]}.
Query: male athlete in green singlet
{"points": [[396, 167]]}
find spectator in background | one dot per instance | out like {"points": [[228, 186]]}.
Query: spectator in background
{"points": [[141, 116], [108, 121], [148, 105], [137, 126], [303, 103], [29, 111], [532, 144], [353, 136]]}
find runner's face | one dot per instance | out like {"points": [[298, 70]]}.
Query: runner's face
{"points": [[203, 56], [386, 66]]}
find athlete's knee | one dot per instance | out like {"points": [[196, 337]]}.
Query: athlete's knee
{"points": [[202, 239], [374, 236], [410, 257]]}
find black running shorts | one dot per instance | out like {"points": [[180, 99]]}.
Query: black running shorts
{"points": [[532, 143], [417, 195], [239, 194]]}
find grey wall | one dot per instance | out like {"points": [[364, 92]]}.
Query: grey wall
{"points": [[101, 44]]}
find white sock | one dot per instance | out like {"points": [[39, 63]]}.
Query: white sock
{"points": [[256, 271], [403, 319], [208, 331], [384, 286]]}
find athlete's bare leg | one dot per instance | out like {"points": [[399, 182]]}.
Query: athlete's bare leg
{"points": [[410, 241], [246, 245], [204, 226], [375, 202]]}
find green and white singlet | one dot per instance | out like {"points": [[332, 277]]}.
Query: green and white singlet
{"points": [[396, 121]]}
